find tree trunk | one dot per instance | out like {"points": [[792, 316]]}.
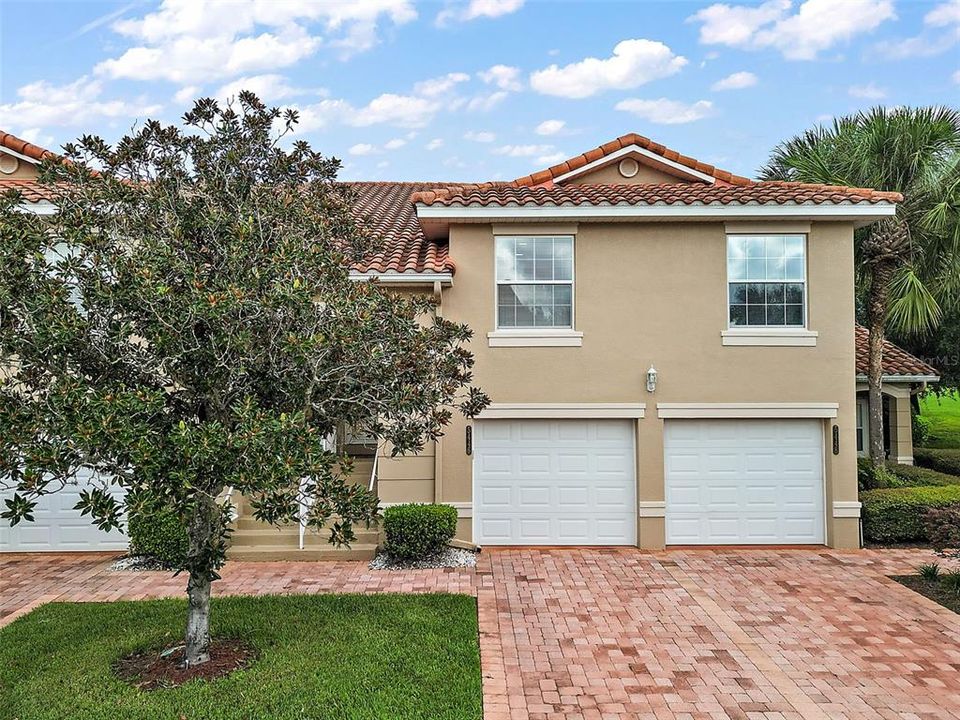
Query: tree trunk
{"points": [[202, 535], [878, 301]]}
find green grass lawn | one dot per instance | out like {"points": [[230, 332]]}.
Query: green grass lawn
{"points": [[944, 416], [321, 656]]}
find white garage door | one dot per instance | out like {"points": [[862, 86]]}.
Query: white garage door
{"points": [[57, 527], [554, 482], [744, 481]]}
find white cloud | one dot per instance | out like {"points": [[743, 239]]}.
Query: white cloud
{"points": [[956, 77], [480, 137], [736, 81], [484, 103], [394, 144], [942, 32], [187, 94], [362, 149], [551, 159], [504, 77], [36, 136], [815, 26], [185, 40], [633, 63], [440, 85], [42, 104], [477, 9], [435, 144], [523, 150], [666, 112], [402, 110], [947, 13], [550, 127], [870, 91], [268, 87]]}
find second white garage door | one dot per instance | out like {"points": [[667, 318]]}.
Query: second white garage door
{"points": [[744, 482], [554, 482]]}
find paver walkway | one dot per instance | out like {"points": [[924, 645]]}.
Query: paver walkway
{"points": [[617, 634]]}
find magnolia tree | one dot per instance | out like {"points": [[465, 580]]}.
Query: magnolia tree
{"points": [[185, 324]]}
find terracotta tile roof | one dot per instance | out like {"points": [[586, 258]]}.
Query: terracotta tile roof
{"points": [[547, 176], [386, 210], [19, 145], [896, 360], [759, 193], [31, 190]]}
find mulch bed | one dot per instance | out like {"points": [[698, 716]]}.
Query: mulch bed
{"points": [[936, 591], [155, 669]]}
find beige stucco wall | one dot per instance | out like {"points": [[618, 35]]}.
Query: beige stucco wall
{"points": [[610, 175], [656, 293], [13, 168]]}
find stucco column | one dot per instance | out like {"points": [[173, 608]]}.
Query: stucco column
{"points": [[901, 430], [651, 525]]}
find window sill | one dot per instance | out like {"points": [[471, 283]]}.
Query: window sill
{"points": [[535, 338], [770, 337]]}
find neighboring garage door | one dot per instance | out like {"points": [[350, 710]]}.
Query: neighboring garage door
{"points": [[554, 482], [744, 481], [57, 527]]}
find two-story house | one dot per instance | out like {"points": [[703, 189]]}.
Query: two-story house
{"points": [[670, 350]]}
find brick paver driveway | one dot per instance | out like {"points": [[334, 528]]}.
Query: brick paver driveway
{"points": [[626, 634]]}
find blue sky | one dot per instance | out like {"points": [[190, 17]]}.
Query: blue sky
{"points": [[479, 89]]}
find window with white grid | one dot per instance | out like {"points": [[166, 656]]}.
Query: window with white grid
{"points": [[534, 282], [766, 280]]}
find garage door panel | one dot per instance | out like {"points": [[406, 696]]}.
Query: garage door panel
{"points": [[570, 482], [57, 527], [743, 481]]}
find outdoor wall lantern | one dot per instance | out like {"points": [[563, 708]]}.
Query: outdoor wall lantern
{"points": [[651, 379]]}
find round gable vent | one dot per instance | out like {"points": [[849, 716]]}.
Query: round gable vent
{"points": [[8, 164], [629, 167]]}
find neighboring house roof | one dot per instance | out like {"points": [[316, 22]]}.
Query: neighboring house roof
{"points": [[897, 362], [22, 147], [765, 193], [385, 209]]}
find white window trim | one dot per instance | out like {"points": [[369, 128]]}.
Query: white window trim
{"points": [[747, 410], [562, 411], [863, 406], [759, 336], [770, 335], [536, 337]]}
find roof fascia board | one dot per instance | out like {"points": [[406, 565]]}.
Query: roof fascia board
{"points": [[902, 378], [864, 211], [607, 159], [403, 278], [43, 207], [21, 156]]}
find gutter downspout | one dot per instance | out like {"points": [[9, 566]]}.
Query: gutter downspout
{"points": [[438, 443]]}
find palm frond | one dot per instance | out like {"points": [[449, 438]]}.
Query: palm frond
{"points": [[913, 308]]}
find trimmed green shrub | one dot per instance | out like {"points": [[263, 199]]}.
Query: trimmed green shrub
{"points": [[914, 476], [943, 527], [416, 531], [896, 515], [945, 461], [921, 429], [159, 535], [872, 477]]}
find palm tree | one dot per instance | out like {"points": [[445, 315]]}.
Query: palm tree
{"points": [[908, 266]]}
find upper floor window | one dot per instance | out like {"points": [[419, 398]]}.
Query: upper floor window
{"points": [[534, 282], [766, 278]]}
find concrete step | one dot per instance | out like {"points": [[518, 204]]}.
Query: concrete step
{"points": [[271, 553], [290, 537]]}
